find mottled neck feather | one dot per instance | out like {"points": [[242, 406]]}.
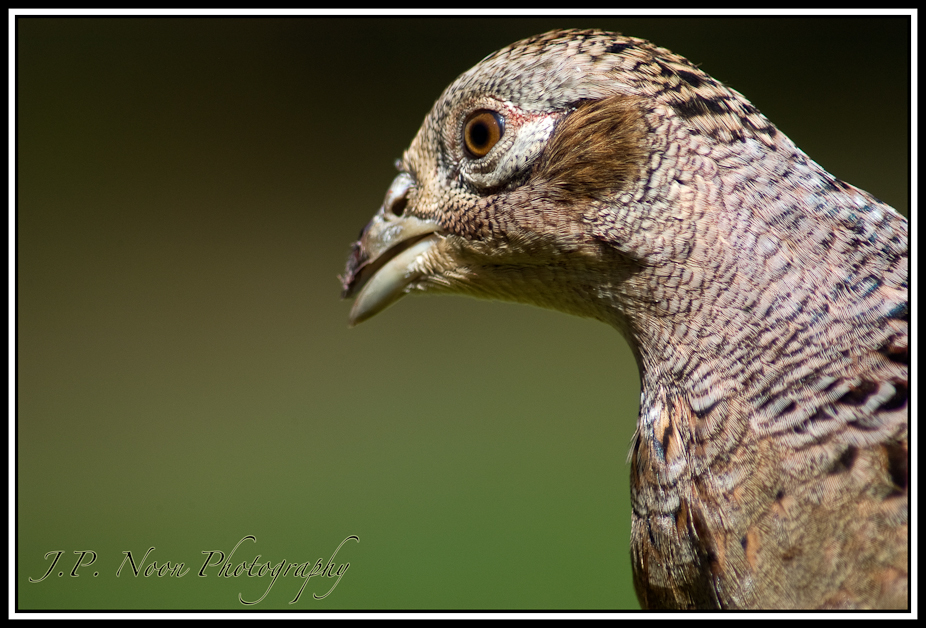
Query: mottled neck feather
{"points": [[777, 263]]}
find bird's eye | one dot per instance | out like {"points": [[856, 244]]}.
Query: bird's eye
{"points": [[481, 132]]}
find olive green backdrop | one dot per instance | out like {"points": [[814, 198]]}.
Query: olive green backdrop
{"points": [[187, 193]]}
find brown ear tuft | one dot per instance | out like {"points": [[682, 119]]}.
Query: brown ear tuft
{"points": [[595, 151]]}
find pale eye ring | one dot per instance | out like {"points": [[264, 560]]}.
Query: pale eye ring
{"points": [[481, 131]]}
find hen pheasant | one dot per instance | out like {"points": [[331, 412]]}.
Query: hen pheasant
{"points": [[765, 300]]}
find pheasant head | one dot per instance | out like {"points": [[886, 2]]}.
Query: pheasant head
{"points": [[765, 300]]}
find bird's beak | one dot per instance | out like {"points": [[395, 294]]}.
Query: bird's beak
{"points": [[382, 263]]}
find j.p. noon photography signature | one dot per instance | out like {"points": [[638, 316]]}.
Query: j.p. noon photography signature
{"points": [[217, 563]]}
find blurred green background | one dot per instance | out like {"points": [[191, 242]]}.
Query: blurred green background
{"points": [[187, 193]]}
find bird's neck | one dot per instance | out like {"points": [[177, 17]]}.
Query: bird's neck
{"points": [[760, 290]]}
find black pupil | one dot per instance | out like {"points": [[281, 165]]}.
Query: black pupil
{"points": [[479, 133]]}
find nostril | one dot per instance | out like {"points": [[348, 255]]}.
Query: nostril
{"points": [[397, 197], [397, 206]]}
